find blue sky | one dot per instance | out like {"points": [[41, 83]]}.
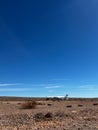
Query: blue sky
{"points": [[49, 48]]}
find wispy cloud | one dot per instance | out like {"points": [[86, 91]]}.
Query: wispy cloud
{"points": [[5, 84], [89, 87], [36, 85], [15, 89], [24, 84], [60, 79], [41, 84], [54, 87]]}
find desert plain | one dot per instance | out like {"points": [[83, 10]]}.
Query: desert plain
{"points": [[49, 115]]}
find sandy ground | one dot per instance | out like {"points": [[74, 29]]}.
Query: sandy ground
{"points": [[62, 115]]}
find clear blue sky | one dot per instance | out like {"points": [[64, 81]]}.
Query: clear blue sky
{"points": [[49, 48]]}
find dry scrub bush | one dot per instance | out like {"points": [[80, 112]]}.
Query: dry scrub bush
{"points": [[43, 117], [68, 106], [29, 105], [40, 103]]}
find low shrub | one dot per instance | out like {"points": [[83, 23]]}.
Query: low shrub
{"points": [[80, 105], [49, 104], [47, 99], [95, 104], [29, 105], [69, 106], [38, 117], [43, 117], [40, 103], [48, 115]]}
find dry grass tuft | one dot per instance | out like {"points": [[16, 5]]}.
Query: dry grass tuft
{"points": [[29, 105], [43, 117]]}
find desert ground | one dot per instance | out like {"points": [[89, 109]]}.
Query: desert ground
{"points": [[49, 115]]}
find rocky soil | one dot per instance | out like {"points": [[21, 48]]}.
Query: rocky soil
{"points": [[63, 115]]}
